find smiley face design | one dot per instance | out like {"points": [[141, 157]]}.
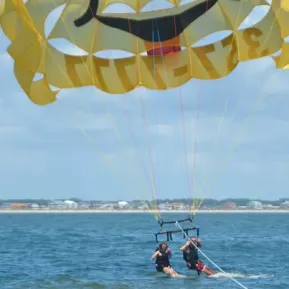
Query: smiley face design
{"points": [[168, 27]]}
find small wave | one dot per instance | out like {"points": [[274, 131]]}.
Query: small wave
{"points": [[239, 275]]}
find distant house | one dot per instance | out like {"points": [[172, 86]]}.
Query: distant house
{"points": [[5, 205], [83, 205], [165, 206], [108, 206], [255, 205], [34, 206], [57, 205], [177, 206], [71, 204], [18, 206], [284, 205], [143, 207], [122, 204], [230, 206], [270, 207]]}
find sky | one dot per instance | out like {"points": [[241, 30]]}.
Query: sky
{"points": [[92, 145]]}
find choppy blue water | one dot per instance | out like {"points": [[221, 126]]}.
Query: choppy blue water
{"points": [[113, 251]]}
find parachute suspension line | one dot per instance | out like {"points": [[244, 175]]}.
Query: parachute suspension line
{"points": [[209, 259], [153, 183], [163, 65], [125, 112], [181, 106], [194, 205], [163, 58], [257, 103], [259, 100], [134, 139], [130, 127], [242, 129], [126, 182], [90, 73], [198, 206], [78, 126], [148, 143], [86, 67], [185, 159], [205, 180], [190, 183], [29, 24], [190, 188], [121, 140]]}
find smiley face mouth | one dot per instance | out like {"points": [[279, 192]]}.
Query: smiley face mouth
{"points": [[156, 29]]}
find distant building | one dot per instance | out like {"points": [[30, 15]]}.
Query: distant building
{"points": [[255, 205], [230, 206], [57, 205], [143, 207], [83, 205], [19, 206], [284, 205], [70, 204], [34, 206], [177, 206], [270, 207], [122, 204], [6, 205], [165, 206]]}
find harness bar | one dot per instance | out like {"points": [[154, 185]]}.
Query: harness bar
{"points": [[170, 232], [161, 222]]}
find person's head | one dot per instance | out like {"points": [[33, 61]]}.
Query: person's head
{"points": [[163, 246], [194, 240]]}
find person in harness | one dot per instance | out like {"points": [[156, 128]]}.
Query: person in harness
{"points": [[162, 256], [191, 256]]}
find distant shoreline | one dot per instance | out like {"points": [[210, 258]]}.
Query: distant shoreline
{"points": [[89, 211]]}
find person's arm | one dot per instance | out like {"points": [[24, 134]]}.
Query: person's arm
{"points": [[155, 254], [169, 252], [199, 243], [182, 248]]}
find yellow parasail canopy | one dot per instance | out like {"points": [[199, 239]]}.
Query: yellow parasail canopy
{"points": [[160, 34]]}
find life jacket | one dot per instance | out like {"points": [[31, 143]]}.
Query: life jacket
{"points": [[164, 258], [190, 254]]}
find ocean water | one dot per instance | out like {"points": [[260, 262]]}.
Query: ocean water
{"points": [[113, 251]]}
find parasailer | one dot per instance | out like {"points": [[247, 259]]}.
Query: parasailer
{"points": [[162, 255], [191, 256]]}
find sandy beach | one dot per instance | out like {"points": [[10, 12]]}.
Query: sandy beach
{"points": [[88, 211]]}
